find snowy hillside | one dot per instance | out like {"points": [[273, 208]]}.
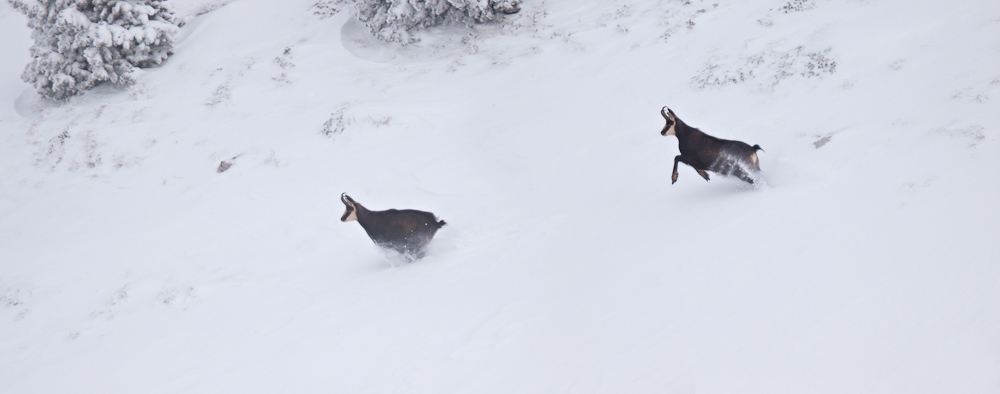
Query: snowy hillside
{"points": [[570, 264]]}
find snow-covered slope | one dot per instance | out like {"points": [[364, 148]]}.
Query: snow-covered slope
{"points": [[128, 263]]}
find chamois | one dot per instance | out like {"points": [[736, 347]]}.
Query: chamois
{"points": [[707, 153], [406, 231]]}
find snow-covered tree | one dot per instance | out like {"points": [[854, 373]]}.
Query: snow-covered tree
{"points": [[82, 43], [392, 20]]}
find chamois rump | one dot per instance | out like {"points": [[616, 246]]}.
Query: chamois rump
{"points": [[406, 231], [707, 153]]}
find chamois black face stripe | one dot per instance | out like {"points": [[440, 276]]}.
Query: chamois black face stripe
{"points": [[347, 212], [670, 123]]}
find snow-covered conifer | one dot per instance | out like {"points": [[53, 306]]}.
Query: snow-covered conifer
{"points": [[392, 20], [82, 43]]}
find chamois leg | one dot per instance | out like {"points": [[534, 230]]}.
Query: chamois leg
{"points": [[746, 178], [673, 177], [740, 173], [703, 173], [682, 159]]}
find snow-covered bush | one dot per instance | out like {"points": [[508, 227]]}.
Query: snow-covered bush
{"points": [[82, 43], [392, 20], [768, 68]]}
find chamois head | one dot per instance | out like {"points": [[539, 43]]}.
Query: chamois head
{"points": [[669, 129], [350, 212]]}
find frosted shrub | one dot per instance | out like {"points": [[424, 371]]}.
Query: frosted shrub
{"points": [[82, 43], [392, 20]]}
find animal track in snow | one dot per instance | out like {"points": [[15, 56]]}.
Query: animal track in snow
{"points": [[176, 296], [972, 135], [12, 296], [119, 297], [797, 6], [222, 93]]}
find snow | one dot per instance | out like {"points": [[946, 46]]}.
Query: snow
{"points": [[128, 263], [73, 17]]}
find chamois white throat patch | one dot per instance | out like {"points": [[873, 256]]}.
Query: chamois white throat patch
{"points": [[350, 215], [671, 130]]}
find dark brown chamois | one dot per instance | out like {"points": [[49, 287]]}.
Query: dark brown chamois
{"points": [[707, 153], [406, 231]]}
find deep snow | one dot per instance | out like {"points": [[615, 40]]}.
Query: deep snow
{"points": [[570, 264]]}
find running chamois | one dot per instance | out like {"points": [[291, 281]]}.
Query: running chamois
{"points": [[406, 231], [707, 153]]}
